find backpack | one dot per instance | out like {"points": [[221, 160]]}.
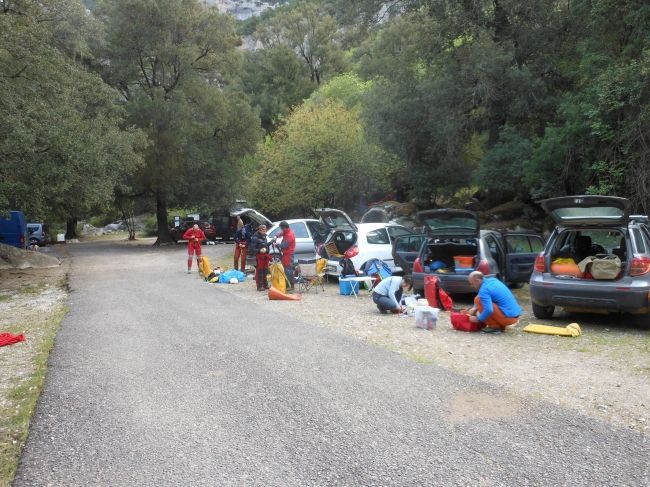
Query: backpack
{"points": [[436, 296], [347, 268]]}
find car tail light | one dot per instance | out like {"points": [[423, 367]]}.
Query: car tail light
{"points": [[483, 266], [639, 266], [351, 252], [21, 241], [540, 263], [417, 265]]}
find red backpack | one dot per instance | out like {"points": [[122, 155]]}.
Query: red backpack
{"points": [[436, 296]]}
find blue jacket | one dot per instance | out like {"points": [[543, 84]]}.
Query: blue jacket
{"points": [[243, 235], [492, 292]]}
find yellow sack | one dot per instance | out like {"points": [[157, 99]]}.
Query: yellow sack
{"points": [[320, 266], [205, 269], [572, 330], [277, 277], [564, 260]]}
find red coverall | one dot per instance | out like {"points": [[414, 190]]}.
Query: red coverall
{"points": [[288, 247], [194, 239]]}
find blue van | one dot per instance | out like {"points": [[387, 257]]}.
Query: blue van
{"points": [[13, 229]]}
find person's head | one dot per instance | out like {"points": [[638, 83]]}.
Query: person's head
{"points": [[284, 226], [475, 279], [262, 229], [407, 283], [195, 226]]}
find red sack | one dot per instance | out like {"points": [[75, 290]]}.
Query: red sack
{"points": [[461, 322], [436, 296], [10, 338]]}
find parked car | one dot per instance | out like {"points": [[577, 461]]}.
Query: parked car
{"points": [[13, 229], [310, 235], [593, 226], [206, 226], [451, 233], [364, 241], [37, 234]]}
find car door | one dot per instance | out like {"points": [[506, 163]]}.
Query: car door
{"points": [[406, 249], [521, 251]]}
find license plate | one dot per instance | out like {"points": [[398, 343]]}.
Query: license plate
{"points": [[330, 268]]}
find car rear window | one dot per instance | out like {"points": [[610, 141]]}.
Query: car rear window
{"points": [[578, 213]]}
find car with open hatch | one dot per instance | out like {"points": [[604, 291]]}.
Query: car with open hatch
{"points": [[310, 233], [597, 259], [453, 245], [360, 242]]}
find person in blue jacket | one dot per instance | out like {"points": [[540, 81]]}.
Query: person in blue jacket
{"points": [[388, 293], [495, 305]]}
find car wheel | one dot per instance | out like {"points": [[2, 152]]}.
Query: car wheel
{"points": [[33, 241], [543, 312]]}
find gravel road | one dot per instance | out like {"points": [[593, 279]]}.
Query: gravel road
{"points": [[159, 379]]}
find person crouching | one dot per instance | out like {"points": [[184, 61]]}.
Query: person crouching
{"points": [[388, 293], [494, 305]]}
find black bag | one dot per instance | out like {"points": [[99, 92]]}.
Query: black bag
{"points": [[348, 267]]}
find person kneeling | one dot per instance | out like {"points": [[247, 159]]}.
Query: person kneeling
{"points": [[388, 293], [494, 305]]}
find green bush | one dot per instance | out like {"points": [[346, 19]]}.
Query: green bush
{"points": [[150, 226]]}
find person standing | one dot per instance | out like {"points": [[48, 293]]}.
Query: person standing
{"points": [[260, 247], [194, 237], [242, 241], [287, 247], [494, 305], [388, 293]]}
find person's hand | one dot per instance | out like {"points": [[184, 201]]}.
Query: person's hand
{"points": [[473, 319]]}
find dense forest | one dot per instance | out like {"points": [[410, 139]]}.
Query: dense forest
{"points": [[320, 102]]}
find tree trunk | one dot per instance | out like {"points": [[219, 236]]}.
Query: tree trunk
{"points": [[161, 219], [71, 228], [126, 207]]}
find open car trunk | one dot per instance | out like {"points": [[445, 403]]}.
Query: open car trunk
{"points": [[338, 242], [575, 246], [441, 256]]}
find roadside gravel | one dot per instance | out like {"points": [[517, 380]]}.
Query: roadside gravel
{"points": [[604, 373]]}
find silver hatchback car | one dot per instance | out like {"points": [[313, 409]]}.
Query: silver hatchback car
{"points": [[593, 227]]}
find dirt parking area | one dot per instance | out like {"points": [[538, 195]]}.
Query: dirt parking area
{"points": [[604, 373]]}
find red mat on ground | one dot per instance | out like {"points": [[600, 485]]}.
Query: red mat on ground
{"points": [[10, 338]]}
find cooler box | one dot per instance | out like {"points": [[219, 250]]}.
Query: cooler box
{"points": [[346, 287], [463, 264]]}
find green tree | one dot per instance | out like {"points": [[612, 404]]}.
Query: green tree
{"points": [[276, 80], [308, 30], [319, 157], [176, 64], [63, 147]]}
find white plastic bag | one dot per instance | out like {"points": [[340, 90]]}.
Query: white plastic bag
{"points": [[426, 317]]}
